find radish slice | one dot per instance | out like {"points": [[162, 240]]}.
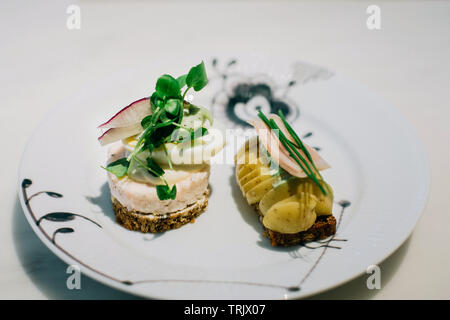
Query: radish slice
{"points": [[115, 134], [320, 163], [129, 115], [279, 153]]}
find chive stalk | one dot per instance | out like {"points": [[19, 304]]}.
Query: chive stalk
{"points": [[300, 144], [291, 147]]}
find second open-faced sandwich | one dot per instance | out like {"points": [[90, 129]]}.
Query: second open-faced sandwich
{"points": [[280, 176], [158, 160]]}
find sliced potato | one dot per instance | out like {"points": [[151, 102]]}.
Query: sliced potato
{"points": [[246, 178], [254, 182], [325, 202], [292, 216], [244, 169], [279, 193], [248, 157], [257, 192], [250, 144], [295, 186], [289, 199], [261, 171]]}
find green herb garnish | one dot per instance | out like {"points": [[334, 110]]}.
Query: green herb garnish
{"points": [[119, 167], [167, 86], [300, 145], [164, 125], [196, 78], [292, 148], [165, 193], [182, 80], [168, 105]]}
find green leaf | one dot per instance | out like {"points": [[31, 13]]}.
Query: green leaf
{"points": [[182, 80], [119, 167], [146, 121], [172, 106], [173, 192], [198, 133], [165, 193], [163, 118], [149, 146], [156, 170], [167, 122], [161, 126], [167, 87], [155, 102], [197, 78]]}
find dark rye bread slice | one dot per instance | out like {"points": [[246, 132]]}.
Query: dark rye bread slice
{"points": [[324, 227], [144, 222]]}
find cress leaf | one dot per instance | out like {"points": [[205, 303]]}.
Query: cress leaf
{"points": [[182, 80], [173, 106], [200, 132], [119, 167], [173, 192], [156, 170], [149, 146], [167, 87], [165, 193], [162, 191], [163, 118], [155, 101], [146, 121], [197, 78]]}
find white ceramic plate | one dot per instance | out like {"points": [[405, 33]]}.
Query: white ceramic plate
{"points": [[379, 173]]}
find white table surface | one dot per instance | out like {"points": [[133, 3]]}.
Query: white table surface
{"points": [[406, 62]]}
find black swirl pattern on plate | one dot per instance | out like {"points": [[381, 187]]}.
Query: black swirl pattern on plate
{"points": [[242, 96], [246, 97], [67, 217]]}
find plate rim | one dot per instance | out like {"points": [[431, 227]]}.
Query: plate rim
{"points": [[420, 205]]}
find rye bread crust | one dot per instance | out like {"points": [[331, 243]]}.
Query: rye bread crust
{"points": [[144, 222], [324, 227]]}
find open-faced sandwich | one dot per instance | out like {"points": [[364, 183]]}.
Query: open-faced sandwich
{"points": [[279, 175], [158, 161]]}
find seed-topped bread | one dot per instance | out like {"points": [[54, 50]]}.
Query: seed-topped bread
{"points": [[138, 208], [144, 222], [159, 159]]}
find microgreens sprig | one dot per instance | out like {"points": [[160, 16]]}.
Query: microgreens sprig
{"points": [[291, 147], [167, 105]]}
